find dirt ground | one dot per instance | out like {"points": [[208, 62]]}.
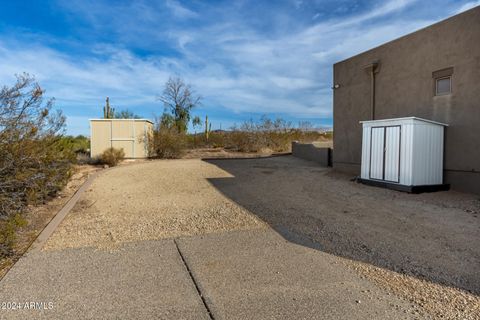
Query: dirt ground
{"points": [[422, 248]]}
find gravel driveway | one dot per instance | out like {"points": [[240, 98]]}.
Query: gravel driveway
{"points": [[422, 247], [149, 201], [252, 233]]}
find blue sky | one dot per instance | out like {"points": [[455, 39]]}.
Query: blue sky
{"points": [[245, 58]]}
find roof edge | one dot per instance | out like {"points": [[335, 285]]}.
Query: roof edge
{"points": [[99, 119], [405, 118], [439, 22]]}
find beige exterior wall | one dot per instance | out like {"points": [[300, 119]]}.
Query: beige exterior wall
{"points": [[100, 137], [142, 143], [131, 135]]}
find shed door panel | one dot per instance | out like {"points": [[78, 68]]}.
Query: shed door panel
{"points": [[126, 145], [376, 153], [392, 153]]}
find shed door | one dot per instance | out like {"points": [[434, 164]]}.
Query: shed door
{"points": [[377, 146], [385, 153], [392, 154]]}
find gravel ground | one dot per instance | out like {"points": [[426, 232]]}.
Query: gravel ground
{"points": [[423, 248], [148, 201]]}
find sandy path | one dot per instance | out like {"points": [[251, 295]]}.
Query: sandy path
{"points": [[148, 201]]}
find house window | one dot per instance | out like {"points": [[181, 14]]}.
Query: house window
{"points": [[443, 86], [442, 81]]}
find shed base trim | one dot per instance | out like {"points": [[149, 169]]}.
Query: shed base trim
{"points": [[404, 188]]}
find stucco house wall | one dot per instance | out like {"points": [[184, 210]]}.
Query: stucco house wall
{"points": [[404, 87]]}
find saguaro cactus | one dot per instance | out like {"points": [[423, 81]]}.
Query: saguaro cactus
{"points": [[108, 112], [208, 128]]}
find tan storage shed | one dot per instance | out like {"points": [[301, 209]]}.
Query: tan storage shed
{"points": [[131, 135]]}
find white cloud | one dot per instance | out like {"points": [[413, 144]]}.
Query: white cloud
{"points": [[231, 64], [86, 82], [468, 6], [179, 10], [386, 8]]}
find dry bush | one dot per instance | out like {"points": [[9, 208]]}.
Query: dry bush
{"points": [[8, 229], [35, 162], [215, 140], [244, 141], [112, 156], [266, 134], [168, 141]]}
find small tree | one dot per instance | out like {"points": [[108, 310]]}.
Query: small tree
{"points": [[196, 122], [166, 121], [179, 99], [126, 114]]}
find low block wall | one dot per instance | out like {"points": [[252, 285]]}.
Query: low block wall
{"points": [[308, 151]]}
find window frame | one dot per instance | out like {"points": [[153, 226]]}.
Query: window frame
{"points": [[439, 75], [449, 77]]}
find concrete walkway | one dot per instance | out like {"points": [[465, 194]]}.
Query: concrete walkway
{"points": [[143, 280], [235, 275]]}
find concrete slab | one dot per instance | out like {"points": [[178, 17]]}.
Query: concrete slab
{"points": [[143, 280], [260, 275]]}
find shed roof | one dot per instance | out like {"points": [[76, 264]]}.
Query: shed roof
{"points": [[146, 120], [403, 119]]}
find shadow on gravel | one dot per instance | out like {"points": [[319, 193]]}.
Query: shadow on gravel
{"points": [[312, 206]]}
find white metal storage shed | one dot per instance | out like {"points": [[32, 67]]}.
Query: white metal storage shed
{"points": [[131, 135], [403, 153]]}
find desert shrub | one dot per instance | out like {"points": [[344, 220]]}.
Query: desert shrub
{"points": [[267, 134], [216, 139], [112, 156], [80, 145], [244, 141], [168, 141], [254, 136], [8, 229], [35, 163]]}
